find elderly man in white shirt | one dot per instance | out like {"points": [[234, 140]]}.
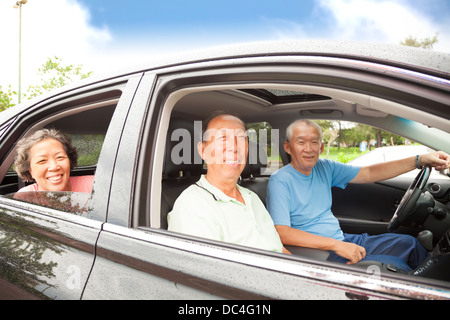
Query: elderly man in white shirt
{"points": [[216, 207]]}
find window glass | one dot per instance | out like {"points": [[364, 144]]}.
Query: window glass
{"points": [[73, 202], [356, 143], [266, 139], [87, 138], [88, 147]]}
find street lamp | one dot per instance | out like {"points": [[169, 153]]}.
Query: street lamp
{"points": [[19, 5]]}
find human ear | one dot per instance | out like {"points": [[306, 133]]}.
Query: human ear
{"points": [[287, 147], [322, 147], [200, 149]]}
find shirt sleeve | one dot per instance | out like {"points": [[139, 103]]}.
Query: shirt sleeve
{"points": [[277, 202], [343, 174]]}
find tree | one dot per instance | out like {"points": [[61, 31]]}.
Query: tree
{"points": [[53, 75], [330, 133], [6, 98], [426, 43]]}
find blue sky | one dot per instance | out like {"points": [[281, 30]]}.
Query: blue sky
{"points": [[250, 19], [200, 22], [100, 34], [169, 16]]}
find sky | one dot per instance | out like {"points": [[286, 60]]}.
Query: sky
{"points": [[100, 35]]}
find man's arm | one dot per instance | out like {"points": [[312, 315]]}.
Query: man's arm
{"points": [[295, 237], [382, 171]]}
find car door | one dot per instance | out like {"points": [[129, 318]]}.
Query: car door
{"points": [[367, 208], [47, 251], [137, 258], [134, 261]]}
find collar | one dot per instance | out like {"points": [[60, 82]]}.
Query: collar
{"points": [[218, 194]]}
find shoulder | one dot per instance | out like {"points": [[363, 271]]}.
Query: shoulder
{"points": [[338, 173], [82, 183], [331, 165], [282, 173], [31, 187], [193, 197], [193, 205], [326, 163]]}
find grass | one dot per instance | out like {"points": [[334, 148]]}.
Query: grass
{"points": [[343, 154]]}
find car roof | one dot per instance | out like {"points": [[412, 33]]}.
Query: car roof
{"points": [[415, 59], [424, 60]]}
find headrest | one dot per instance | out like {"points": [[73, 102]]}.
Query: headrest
{"points": [[256, 160], [181, 156]]}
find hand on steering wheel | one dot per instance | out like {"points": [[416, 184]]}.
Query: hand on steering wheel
{"points": [[407, 204]]}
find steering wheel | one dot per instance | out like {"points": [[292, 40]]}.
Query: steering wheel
{"points": [[407, 204]]}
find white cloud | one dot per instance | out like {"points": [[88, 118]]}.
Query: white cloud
{"points": [[63, 28], [384, 21], [49, 28]]}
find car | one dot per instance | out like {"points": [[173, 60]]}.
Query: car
{"points": [[136, 129]]}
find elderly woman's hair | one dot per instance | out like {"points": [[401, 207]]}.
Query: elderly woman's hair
{"points": [[22, 161]]}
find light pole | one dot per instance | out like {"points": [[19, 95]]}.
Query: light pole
{"points": [[19, 5]]}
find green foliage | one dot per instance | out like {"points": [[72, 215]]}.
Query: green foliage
{"points": [[353, 135], [426, 43], [346, 157], [343, 154], [6, 98], [53, 75], [88, 147]]}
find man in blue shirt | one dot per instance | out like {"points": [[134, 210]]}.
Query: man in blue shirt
{"points": [[299, 201]]}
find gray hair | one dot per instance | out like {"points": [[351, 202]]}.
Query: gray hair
{"points": [[22, 161], [290, 128]]}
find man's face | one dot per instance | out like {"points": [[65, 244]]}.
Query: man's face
{"points": [[225, 147], [305, 148]]}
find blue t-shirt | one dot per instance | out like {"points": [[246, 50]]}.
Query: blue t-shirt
{"points": [[304, 202]]}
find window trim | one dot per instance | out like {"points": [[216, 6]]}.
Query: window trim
{"points": [[173, 98], [100, 95]]}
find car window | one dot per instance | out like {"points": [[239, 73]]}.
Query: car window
{"points": [[88, 147], [72, 202], [86, 126], [356, 143], [266, 139], [176, 110], [364, 145]]}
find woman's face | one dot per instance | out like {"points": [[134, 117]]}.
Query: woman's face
{"points": [[50, 165]]}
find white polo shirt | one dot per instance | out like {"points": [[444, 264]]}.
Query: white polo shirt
{"points": [[205, 211]]}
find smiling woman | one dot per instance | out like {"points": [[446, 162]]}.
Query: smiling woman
{"points": [[47, 158]]}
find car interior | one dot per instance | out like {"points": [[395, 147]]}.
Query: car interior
{"points": [[370, 207]]}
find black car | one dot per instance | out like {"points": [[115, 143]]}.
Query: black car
{"points": [[113, 243]]}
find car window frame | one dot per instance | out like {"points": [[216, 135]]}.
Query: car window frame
{"points": [[172, 88], [117, 92], [172, 84]]}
